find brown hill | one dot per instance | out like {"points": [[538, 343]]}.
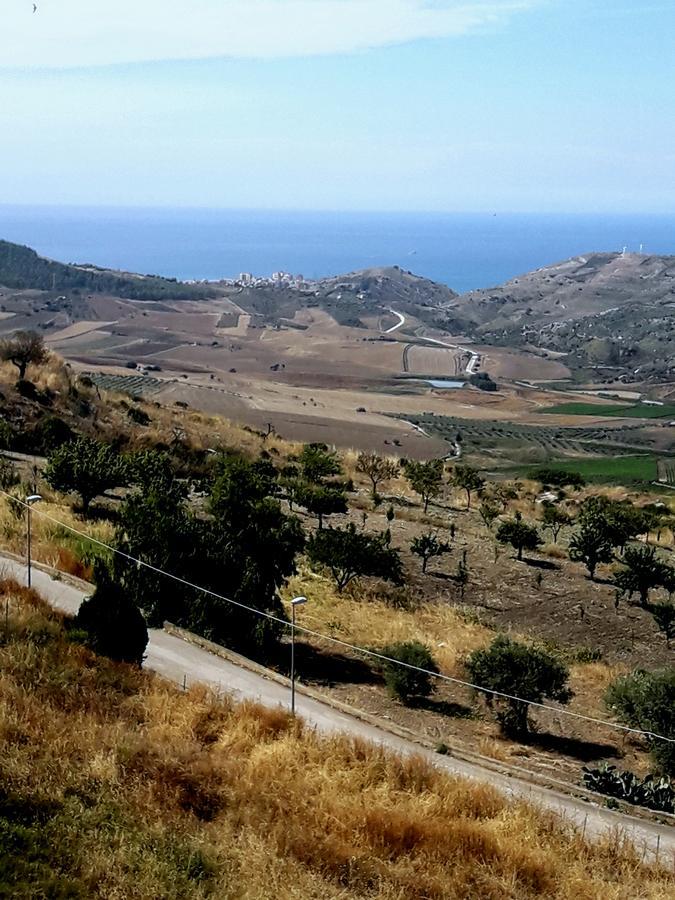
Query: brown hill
{"points": [[614, 313]]}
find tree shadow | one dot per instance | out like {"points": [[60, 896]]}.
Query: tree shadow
{"points": [[446, 708], [540, 564], [99, 513], [319, 667], [586, 751]]}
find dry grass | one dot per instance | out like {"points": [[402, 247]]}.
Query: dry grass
{"points": [[54, 374], [202, 431], [111, 421], [51, 544], [365, 619], [116, 785]]}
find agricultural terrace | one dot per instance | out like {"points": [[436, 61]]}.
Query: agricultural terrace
{"points": [[633, 411]]}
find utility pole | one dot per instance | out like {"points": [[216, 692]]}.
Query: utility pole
{"points": [[33, 498], [297, 601]]}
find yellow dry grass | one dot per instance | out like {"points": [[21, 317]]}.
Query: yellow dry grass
{"points": [[117, 785], [52, 544], [202, 431], [368, 621], [364, 619]]}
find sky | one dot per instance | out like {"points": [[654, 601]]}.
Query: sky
{"points": [[425, 105]]}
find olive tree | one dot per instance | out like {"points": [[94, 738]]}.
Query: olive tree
{"points": [[520, 673], [642, 572], [24, 348], [554, 519], [320, 500], [591, 544], [488, 512], [317, 462], [427, 546], [312, 486], [350, 554], [520, 535], [377, 468], [468, 479], [425, 478], [87, 468]]}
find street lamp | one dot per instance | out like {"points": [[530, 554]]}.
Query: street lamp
{"points": [[30, 500], [297, 601]]}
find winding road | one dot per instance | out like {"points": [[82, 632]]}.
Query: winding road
{"points": [[399, 324], [185, 663], [474, 358]]}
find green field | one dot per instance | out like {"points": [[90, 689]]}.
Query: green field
{"points": [[624, 470], [633, 411]]}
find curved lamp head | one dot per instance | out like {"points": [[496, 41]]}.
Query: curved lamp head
{"points": [[33, 498], [298, 601]]}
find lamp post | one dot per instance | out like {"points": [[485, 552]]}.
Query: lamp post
{"points": [[297, 601], [30, 500]]}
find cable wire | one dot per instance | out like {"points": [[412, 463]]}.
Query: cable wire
{"points": [[345, 644]]}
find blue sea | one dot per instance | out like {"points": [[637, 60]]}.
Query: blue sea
{"points": [[464, 251]]}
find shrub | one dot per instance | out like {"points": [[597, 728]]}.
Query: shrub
{"points": [[6, 435], [27, 390], [483, 381], [405, 684], [9, 476], [139, 416], [664, 616], [50, 433], [646, 700], [114, 625], [560, 478]]}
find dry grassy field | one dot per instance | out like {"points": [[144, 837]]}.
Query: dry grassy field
{"points": [[117, 785], [310, 377]]}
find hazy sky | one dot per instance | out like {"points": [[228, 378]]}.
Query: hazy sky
{"points": [[532, 105]]}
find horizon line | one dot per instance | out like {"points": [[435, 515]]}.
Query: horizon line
{"points": [[186, 207]]}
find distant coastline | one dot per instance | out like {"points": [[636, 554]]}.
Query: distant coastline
{"points": [[464, 251]]}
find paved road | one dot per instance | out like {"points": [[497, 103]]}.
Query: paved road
{"points": [[474, 358], [184, 663]]}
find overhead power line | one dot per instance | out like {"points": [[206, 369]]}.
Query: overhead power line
{"points": [[345, 644]]}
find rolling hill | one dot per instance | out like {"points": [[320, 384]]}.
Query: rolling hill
{"points": [[610, 313], [610, 316], [23, 269]]}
